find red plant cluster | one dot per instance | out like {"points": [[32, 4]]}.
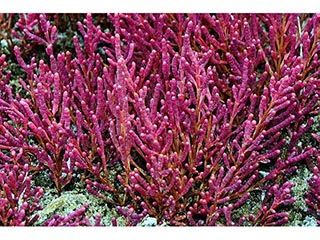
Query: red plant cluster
{"points": [[183, 117], [18, 199]]}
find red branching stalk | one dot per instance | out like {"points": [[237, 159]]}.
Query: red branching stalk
{"points": [[182, 117], [19, 200]]}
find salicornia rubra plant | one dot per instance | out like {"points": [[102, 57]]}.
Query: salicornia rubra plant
{"points": [[18, 199], [183, 117]]}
